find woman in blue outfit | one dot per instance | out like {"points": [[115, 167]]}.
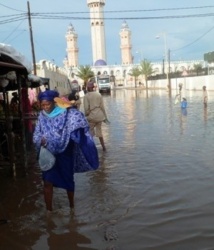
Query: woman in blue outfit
{"points": [[184, 106], [184, 103], [65, 133]]}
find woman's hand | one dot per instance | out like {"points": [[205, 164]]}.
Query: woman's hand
{"points": [[106, 121], [43, 142]]}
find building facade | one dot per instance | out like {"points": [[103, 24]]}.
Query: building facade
{"points": [[58, 77]]}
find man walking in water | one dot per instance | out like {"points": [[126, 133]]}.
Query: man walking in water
{"points": [[95, 112]]}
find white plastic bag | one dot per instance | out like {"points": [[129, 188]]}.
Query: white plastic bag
{"points": [[46, 159], [81, 93]]}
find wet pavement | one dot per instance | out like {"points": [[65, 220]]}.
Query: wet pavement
{"points": [[154, 188]]}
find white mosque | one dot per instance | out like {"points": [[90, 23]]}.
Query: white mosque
{"points": [[59, 76], [120, 72]]}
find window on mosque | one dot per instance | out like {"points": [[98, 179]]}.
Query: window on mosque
{"points": [[117, 72]]}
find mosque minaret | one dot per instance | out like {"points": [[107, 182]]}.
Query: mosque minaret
{"points": [[97, 29], [72, 48], [125, 44]]}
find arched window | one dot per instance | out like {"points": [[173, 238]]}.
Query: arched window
{"points": [[129, 72], [117, 73]]}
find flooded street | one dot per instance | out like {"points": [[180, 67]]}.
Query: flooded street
{"points": [[154, 189]]}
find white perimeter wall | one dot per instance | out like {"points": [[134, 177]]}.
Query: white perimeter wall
{"points": [[189, 83]]}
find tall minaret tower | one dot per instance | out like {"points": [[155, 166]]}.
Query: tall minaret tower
{"points": [[97, 29], [72, 49], [125, 44]]}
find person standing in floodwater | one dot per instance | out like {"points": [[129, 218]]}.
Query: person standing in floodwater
{"points": [[180, 87], [95, 112], [205, 96], [65, 133], [184, 103]]}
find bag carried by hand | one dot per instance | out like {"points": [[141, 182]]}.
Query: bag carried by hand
{"points": [[46, 159], [81, 93]]}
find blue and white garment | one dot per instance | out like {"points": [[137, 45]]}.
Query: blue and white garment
{"points": [[68, 138]]}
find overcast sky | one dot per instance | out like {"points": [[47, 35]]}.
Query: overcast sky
{"points": [[188, 38]]}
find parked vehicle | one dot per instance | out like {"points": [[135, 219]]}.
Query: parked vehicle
{"points": [[103, 83]]}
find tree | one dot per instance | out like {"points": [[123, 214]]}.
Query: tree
{"points": [[146, 70], [197, 68], [85, 73], [135, 72]]}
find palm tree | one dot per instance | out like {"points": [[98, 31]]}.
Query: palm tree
{"points": [[135, 72], [85, 73], [146, 70]]}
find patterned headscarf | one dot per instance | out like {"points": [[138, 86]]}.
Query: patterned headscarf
{"points": [[48, 95]]}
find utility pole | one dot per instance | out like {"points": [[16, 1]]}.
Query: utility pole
{"points": [[31, 39], [169, 80], [163, 70]]}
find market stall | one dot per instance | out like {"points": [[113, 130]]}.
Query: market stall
{"points": [[17, 117]]}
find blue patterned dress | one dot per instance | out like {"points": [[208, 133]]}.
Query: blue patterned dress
{"points": [[68, 138]]}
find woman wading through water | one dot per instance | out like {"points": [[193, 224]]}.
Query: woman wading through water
{"points": [[64, 131]]}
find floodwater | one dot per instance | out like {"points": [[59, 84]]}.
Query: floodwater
{"points": [[154, 189]]}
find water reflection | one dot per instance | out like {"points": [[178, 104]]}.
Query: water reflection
{"points": [[205, 115], [65, 238]]}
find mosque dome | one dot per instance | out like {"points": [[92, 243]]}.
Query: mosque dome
{"points": [[100, 62]]}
